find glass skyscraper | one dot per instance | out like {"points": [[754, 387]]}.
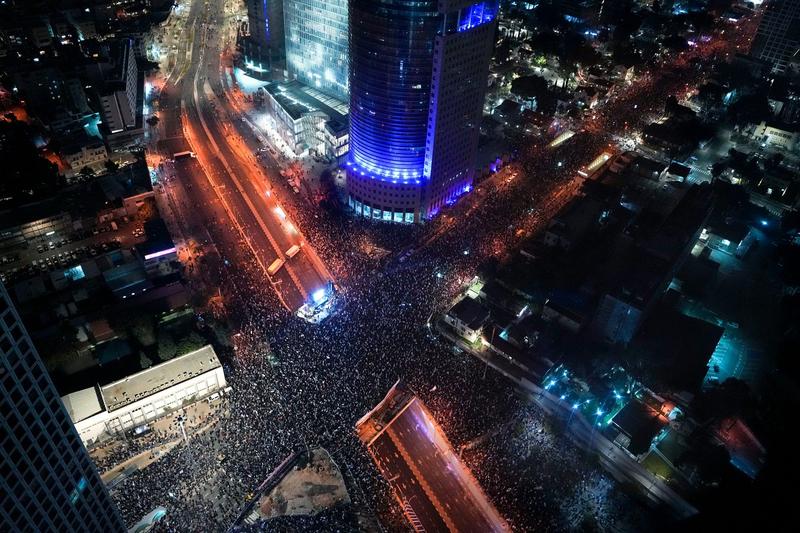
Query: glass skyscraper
{"points": [[316, 44], [418, 77], [264, 49], [48, 482], [778, 38]]}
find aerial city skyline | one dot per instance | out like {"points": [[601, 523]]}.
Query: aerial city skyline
{"points": [[395, 265]]}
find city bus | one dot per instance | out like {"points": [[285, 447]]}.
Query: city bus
{"points": [[291, 252], [275, 266], [182, 155]]}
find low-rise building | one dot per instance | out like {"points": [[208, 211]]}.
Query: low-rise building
{"points": [[569, 313], [729, 236], [307, 120], [106, 410], [569, 226], [776, 136], [84, 151], [467, 318], [158, 253], [676, 172], [637, 424], [668, 138]]}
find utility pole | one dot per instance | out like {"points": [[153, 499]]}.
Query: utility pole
{"points": [[183, 430]]}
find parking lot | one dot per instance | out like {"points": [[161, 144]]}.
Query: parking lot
{"points": [[61, 251]]}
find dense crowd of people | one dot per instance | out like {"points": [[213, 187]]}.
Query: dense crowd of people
{"points": [[296, 384]]}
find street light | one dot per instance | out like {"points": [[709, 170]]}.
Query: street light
{"points": [[183, 430]]}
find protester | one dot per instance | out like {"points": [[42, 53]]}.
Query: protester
{"points": [[296, 384]]}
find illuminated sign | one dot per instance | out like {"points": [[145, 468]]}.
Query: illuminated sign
{"points": [[159, 254], [477, 15]]}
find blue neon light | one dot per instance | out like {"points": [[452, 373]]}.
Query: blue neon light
{"points": [[266, 21], [453, 198], [476, 15], [391, 53], [384, 174]]}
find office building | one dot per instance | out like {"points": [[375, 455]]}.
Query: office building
{"points": [[778, 38], [119, 96], [48, 481], [263, 48], [418, 76], [316, 44]]}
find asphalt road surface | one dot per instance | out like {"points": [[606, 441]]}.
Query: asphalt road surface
{"points": [[228, 188]]}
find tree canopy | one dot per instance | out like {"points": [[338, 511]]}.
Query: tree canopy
{"points": [[26, 174]]}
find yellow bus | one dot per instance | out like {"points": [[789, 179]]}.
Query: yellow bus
{"points": [[275, 266], [291, 252]]}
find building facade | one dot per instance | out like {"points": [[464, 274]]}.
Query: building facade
{"points": [[118, 100], [105, 411], [48, 481], [418, 77], [307, 120], [778, 36], [86, 151], [316, 44], [263, 47]]}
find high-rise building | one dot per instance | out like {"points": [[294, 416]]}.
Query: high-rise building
{"points": [[778, 36], [418, 78], [264, 49], [316, 44], [47, 482], [119, 95]]}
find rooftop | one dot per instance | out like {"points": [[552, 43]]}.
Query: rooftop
{"points": [[678, 169], [83, 404], [158, 238], [678, 347], [576, 218], [299, 99], [640, 423], [470, 312], [148, 382]]}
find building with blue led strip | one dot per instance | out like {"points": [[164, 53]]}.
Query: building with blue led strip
{"points": [[263, 48], [316, 44], [418, 72]]}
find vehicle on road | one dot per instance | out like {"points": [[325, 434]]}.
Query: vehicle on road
{"points": [[183, 155], [291, 252], [275, 266]]}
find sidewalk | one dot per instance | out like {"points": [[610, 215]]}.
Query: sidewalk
{"points": [[198, 417]]}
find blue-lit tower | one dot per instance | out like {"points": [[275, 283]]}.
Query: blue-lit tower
{"points": [[418, 76]]}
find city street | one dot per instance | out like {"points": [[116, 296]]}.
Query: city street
{"points": [[296, 384], [228, 176]]}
